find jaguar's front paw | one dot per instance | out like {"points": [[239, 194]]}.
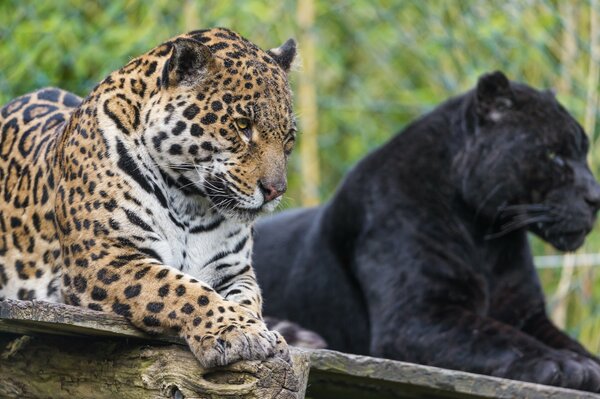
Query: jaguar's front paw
{"points": [[235, 341], [281, 347], [559, 368]]}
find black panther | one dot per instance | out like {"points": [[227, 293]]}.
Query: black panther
{"points": [[422, 254]]}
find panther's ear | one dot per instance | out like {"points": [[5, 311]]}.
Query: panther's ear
{"points": [[494, 96], [284, 55], [189, 63]]}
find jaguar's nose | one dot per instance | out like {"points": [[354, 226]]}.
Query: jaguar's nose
{"points": [[272, 189]]}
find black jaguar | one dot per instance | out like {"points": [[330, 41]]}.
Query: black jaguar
{"points": [[422, 254]]}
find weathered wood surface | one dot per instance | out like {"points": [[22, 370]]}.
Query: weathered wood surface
{"points": [[169, 371], [340, 375], [30, 317], [73, 367], [38, 365]]}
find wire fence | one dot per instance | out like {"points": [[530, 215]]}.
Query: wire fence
{"points": [[559, 261]]}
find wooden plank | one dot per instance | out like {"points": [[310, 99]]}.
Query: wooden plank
{"points": [[339, 375], [332, 375]]}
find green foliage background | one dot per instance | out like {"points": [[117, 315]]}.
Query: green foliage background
{"points": [[380, 64]]}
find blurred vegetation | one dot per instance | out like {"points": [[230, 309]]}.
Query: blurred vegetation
{"points": [[378, 64]]}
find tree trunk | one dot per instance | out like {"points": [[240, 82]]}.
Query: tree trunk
{"points": [[307, 106]]}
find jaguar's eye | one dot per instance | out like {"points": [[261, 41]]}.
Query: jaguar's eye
{"points": [[289, 146], [242, 123], [245, 126]]}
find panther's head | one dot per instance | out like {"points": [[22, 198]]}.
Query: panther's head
{"points": [[222, 125], [524, 164]]}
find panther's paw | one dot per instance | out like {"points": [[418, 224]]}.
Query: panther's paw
{"points": [[561, 368]]}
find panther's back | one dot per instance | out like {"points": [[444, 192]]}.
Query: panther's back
{"points": [[29, 250]]}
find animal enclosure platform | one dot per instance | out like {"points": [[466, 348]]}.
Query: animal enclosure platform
{"points": [[60, 351]]}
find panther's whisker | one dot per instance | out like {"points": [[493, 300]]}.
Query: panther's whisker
{"points": [[487, 198], [518, 224], [525, 207]]}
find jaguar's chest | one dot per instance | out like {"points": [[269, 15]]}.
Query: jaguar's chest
{"points": [[196, 244]]}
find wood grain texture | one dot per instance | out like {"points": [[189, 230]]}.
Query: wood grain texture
{"points": [[72, 364], [56, 318]]}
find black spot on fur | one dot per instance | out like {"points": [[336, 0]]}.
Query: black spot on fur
{"points": [[187, 308], [98, 294], [208, 119], [203, 300], [132, 291], [175, 149], [151, 68], [162, 274], [122, 309], [191, 111], [179, 127], [164, 290], [196, 130], [155, 307], [51, 95], [71, 101], [141, 273], [95, 306], [25, 295], [80, 283], [73, 300], [151, 321], [207, 146]]}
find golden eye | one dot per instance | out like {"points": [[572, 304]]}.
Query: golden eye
{"points": [[242, 123], [245, 127], [551, 155], [289, 146]]}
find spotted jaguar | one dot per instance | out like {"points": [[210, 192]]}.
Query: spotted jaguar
{"points": [[139, 199]]}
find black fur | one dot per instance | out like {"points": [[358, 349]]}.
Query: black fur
{"points": [[187, 64], [284, 55], [422, 254]]}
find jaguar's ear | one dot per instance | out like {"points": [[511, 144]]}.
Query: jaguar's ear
{"points": [[189, 63], [284, 55], [494, 96]]}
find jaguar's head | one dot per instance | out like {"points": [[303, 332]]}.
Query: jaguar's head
{"points": [[223, 125], [524, 164]]}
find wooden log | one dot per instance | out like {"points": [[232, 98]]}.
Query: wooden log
{"points": [[104, 354], [31, 317], [105, 366], [75, 367]]}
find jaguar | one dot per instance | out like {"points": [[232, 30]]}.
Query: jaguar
{"points": [[139, 199]]}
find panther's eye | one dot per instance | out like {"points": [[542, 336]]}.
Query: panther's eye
{"points": [[554, 157], [245, 126]]}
